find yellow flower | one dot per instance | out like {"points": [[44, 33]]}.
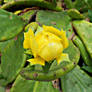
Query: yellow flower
{"points": [[46, 45]]}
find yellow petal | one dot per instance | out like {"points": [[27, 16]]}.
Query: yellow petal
{"points": [[64, 39], [27, 38], [43, 38], [62, 57], [37, 60], [17, 12], [51, 30], [26, 44], [34, 46], [61, 34], [30, 42], [51, 50]]}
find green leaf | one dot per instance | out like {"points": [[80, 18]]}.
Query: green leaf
{"points": [[84, 31], [1, 73], [22, 85], [14, 5], [13, 58], [89, 3], [83, 51], [28, 15], [60, 20], [87, 68], [0, 69], [73, 52], [11, 25], [80, 5], [52, 1], [57, 19], [76, 81], [90, 14], [75, 14]]}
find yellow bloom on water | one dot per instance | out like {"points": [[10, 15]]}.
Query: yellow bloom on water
{"points": [[46, 45]]}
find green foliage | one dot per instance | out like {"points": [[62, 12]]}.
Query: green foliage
{"points": [[26, 78], [80, 5], [60, 20], [84, 31], [13, 59], [56, 19], [89, 3], [11, 25], [28, 15], [75, 14], [83, 50], [87, 68], [76, 81], [90, 14], [22, 85], [40, 3], [2, 89]]}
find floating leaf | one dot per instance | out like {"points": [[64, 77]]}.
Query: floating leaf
{"points": [[75, 14], [28, 15], [60, 20], [83, 50], [11, 25], [84, 30], [13, 58], [13, 5], [22, 85], [76, 81], [56, 19], [87, 68], [80, 5]]}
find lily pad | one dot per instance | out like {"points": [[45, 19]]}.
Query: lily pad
{"points": [[13, 5], [22, 85], [56, 19], [60, 20], [12, 59], [80, 5], [84, 30], [76, 81], [75, 14], [11, 25], [83, 51], [28, 15]]}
